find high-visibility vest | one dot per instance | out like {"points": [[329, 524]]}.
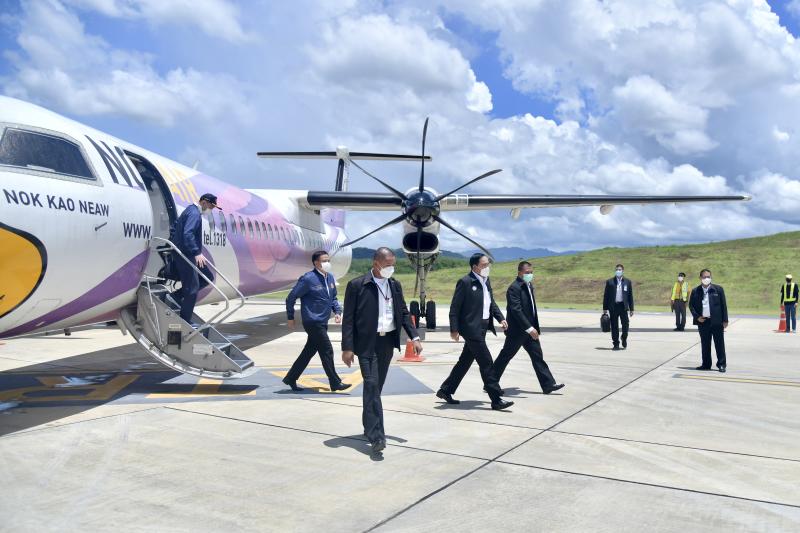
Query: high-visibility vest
{"points": [[684, 291], [788, 298]]}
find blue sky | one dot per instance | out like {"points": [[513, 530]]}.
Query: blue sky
{"points": [[575, 96]]}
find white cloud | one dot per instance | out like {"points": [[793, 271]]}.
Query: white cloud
{"points": [[217, 18], [780, 135], [62, 65]]}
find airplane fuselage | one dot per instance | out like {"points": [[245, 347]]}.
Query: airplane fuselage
{"points": [[79, 208]]}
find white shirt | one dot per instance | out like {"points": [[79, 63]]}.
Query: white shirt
{"points": [[533, 306], [706, 305], [325, 277], [619, 290], [487, 300], [385, 306]]}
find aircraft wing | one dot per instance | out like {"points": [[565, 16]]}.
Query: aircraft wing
{"points": [[375, 201]]}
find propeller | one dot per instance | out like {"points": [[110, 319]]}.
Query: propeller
{"points": [[421, 207]]}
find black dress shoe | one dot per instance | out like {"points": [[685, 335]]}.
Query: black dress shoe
{"points": [[624, 343], [703, 368], [293, 385], [446, 396], [553, 388], [616, 348], [341, 386], [379, 445], [502, 392], [722, 369], [502, 404]]}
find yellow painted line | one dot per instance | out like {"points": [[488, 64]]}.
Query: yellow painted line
{"points": [[93, 391], [319, 382], [203, 387], [741, 380]]}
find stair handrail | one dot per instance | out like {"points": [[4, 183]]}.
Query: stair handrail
{"points": [[208, 322]]}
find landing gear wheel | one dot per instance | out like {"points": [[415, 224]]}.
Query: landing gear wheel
{"points": [[430, 315], [415, 312]]}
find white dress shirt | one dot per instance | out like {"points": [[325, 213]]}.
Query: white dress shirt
{"points": [[706, 305], [487, 300], [533, 306], [619, 291], [385, 305]]}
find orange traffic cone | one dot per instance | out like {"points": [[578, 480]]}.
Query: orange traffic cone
{"points": [[782, 322], [411, 356]]}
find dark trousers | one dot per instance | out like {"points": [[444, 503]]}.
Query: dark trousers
{"points": [[374, 368], [474, 350], [619, 313], [791, 316], [191, 284], [679, 306], [317, 341], [707, 332], [534, 348]]}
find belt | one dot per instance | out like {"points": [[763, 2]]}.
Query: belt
{"points": [[384, 333]]}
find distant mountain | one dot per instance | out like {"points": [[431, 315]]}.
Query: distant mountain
{"points": [[515, 253], [361, 252]]}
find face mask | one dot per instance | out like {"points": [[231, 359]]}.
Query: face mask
{"points": [[619, 273], [680, 278], [205, 211], [706, 281], [527, 278], [484, 272], [326, 266], [386, 272]]}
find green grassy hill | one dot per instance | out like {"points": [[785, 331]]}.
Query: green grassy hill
{"points": [[750, 270]]}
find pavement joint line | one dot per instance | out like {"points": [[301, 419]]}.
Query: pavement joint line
{"points": [[731, 379], [526, 441], [57, 426], [656, 485], [359, 406], [324, 434], [635, 441]]}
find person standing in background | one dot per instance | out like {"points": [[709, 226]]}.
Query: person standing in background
{"points": [[680, 296], [789, 302]]}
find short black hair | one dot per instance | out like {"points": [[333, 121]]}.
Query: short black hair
{"points": [[316, 255], [522, 264], [476, 258], [704, 270], [681, 274], [620, 265], [382, 252]]}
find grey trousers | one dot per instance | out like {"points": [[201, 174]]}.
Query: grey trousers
{"points": [[374, 368]]}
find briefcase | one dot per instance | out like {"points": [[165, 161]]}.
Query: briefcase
{"points": [[605, 323]]}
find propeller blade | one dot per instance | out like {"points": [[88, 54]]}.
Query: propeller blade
{"points": [[470, 182], [398, 193], [390, 223], [451, 228], [422, 171]]}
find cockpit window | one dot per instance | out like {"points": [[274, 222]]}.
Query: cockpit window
{"points": [[42, 152]]}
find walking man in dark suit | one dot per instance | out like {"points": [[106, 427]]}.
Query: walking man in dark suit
{"points": [[317, 292], [618, 301], [523, 330], [710, 312], [471, 315], [374, 312]]}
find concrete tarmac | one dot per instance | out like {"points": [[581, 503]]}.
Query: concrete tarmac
{"points": [[94, 436]]}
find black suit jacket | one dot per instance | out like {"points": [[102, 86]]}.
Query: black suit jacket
{"points": [[610, 294], [716, 301], [360, 319], [466, 309], [521, 311]]}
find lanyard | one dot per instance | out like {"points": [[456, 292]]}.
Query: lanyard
{"points": [[385, 297]]}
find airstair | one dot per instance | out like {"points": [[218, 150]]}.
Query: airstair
{"points": [[200, 350]]}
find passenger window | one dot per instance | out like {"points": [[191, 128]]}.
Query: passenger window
{"points": [[233, 224], [269, 229], [223, 225], [283, 234], [212, 224], [46, 153], [250, 229], [264, 230], [241, 226], [258, 230]]}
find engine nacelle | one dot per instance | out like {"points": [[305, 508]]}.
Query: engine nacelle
{"points": [[428, 241]]}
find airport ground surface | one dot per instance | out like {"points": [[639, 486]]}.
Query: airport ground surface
{"points": [[95, 437]]}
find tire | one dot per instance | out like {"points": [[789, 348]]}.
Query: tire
{"points": [[415, 312], [430, 315]]}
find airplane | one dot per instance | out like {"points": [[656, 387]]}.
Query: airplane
{"points": [[86, 217]]}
